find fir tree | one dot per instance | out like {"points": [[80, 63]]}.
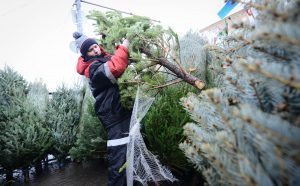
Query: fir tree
{"points": [[23, 136], [91, 137], [38, 96], [154, 52], [163, 128], [63, 116], [246, 129]]}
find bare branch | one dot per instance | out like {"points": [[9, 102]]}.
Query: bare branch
{"points": [[168, 84], [192, 80]]}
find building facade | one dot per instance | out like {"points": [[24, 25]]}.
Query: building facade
{"points": [[217, 30]]}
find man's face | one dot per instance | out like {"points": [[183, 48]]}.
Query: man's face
{"points": [[94, 50]]}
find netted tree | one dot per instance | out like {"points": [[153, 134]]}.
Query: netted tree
{"points": [[63, 116], [246, 129], [24, 139]]}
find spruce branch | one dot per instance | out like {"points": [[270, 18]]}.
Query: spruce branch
{"points": [[277, 36], [282, 168], [256, 68], [266, 131], [205, 144], [240, 46], [261, 49], [253, 85]]}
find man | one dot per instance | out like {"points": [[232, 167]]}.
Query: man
{"points": [[102, 69]]}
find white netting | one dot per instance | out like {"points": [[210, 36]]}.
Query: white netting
{"points": [[142, 165]]}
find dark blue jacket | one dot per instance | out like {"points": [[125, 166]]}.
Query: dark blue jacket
{"points": [[102, 72]]}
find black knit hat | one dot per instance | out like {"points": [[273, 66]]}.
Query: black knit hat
{"points": [[83, 42]]}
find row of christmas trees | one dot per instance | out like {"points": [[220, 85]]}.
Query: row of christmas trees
{"points": [[33, 124]]}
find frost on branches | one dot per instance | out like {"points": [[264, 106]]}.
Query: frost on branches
{"points": [[246, 129]]}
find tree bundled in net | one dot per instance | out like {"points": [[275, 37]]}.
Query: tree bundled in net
{"points": [[142, 165], [246, 130]]}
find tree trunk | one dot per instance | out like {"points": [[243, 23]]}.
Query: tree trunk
{"points": [[26, 175], [180, 73], [45, 161], [9, 175], [38, 168]]}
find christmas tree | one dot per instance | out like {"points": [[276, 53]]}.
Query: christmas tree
{"points": [[63, 116], [154, 54], [246, 128], [24, 139], [91, 137]]}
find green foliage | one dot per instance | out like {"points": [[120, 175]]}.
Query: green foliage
{"points": [[91, 138], [127, 88], [246, 130], [163, 128], [139, 30], [63, 116], [13, 91], [142, 33], [39, 97], [24, 138], [129, 81], [201, 59]]}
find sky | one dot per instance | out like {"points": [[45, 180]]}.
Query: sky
{"points": [[35, 35]]}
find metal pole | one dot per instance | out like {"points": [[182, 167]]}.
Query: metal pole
{"points": [[78, 16]]}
